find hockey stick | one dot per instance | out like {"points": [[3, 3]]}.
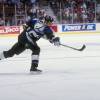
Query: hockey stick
{"points": [[81, 49]]}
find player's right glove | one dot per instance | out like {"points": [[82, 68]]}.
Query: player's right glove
{"points": [[56, 41]]}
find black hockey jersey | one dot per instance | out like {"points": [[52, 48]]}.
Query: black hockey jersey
{"points": [[35, 30]]}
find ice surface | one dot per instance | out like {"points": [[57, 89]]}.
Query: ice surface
{"points": [[67, 74]]}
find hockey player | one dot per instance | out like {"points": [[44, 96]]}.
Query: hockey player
{"points": [[35, 30]]}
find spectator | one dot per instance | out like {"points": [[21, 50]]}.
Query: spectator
{"points": [[1, 22]]}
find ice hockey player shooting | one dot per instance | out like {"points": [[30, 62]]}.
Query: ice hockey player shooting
{"points": [[34, 30]]}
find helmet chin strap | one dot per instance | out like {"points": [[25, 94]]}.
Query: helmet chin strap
{"points": [[48, 23]]}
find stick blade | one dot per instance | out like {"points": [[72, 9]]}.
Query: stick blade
{"points": [[83, 47]]}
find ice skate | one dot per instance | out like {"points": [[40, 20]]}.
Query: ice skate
{"points": [[34, 70], [2, 56]]}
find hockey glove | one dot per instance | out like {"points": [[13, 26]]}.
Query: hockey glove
{"points": [[56, 41]]}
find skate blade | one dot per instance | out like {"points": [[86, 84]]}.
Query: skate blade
{"points": [[35, 72]]}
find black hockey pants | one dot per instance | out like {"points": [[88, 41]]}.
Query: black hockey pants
{"points": [[19, 47]]}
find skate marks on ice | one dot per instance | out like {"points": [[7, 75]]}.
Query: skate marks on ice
{"points": [[44, 72], [18, 74]]}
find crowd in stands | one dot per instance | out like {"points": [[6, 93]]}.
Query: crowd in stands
{"points": [[15, 12], [75, 11]]}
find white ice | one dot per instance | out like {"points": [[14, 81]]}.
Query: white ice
{"points": [[67, 74]]}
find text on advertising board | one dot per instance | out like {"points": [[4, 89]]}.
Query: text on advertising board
{"points": [[79, 27], [9, 30]]}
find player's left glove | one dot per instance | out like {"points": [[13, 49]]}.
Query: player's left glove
{"points": [[56, 41]]}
